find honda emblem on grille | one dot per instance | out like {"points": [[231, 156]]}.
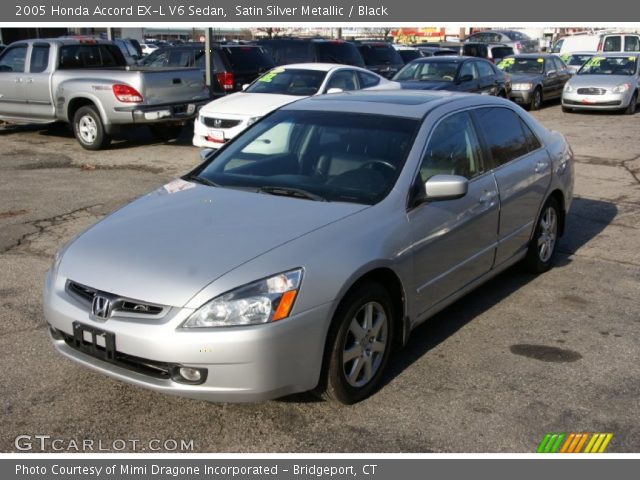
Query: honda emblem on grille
{"points": [[101, 307], [217, 122]]}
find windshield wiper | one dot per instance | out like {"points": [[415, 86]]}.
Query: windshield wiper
{"points": [[201, 180], [291, 192]]}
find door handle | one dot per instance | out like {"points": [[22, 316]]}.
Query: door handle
{"points": [[541, 166], [487, 197], [29, 80], [18, 80]]}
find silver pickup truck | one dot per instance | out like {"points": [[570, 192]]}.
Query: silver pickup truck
{"points": [[88, 84]]}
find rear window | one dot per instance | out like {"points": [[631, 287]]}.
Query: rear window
{"points": [[475, 50], [408, 55], [631, 44], [381, 54], [293, 51], [516, 35], [612, 44], [90, 56], [248, 58], [501, 52], [339, 52]]}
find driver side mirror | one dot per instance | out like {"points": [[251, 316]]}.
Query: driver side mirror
{"points": [[335, 90], [445, 187], [551, 73]]}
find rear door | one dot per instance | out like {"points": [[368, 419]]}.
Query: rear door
{"points": [[522, 170], [454, 240], [39, 82], [469, 72], [13, 96]]}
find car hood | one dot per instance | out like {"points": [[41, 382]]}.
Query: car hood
{"points": [[248, 104], [418, 85], [604, 81], [169, 244], [526, 78]]}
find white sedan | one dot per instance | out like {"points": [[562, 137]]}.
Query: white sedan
{"points": [[224, 118]]}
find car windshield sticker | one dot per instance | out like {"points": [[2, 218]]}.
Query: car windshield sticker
{"points": [[506, 62], [594, 61], [565, 57], [268, 77], [541, 60]]}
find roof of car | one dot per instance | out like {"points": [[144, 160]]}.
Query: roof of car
{"points": [[323, 67], [448, 58], [618, 54], [400, 103], [533, 55]]}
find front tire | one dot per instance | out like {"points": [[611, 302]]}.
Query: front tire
{"points": [[633, 104], [536, 100], [542, 247], [88, 128], [360, 344]]}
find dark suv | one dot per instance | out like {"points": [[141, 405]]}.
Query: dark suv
{"points": [[494, 52], [291, 50], [381, 58], [233, 65]]}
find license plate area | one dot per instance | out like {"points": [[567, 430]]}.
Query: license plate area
{"points": [[94, 341]]}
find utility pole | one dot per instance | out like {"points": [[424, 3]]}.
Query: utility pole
{"points": [[208, 59]]}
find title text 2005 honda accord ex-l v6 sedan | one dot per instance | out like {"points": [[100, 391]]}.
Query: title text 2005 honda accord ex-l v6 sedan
{"points": [[296, 256]]}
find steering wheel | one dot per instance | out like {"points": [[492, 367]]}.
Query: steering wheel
{"points": [[448, 78], [376, 164]]}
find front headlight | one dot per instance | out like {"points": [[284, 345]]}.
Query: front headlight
{"points": [[621, 88], [522, 86], [264, 301], [252, 120], [568, 88]]}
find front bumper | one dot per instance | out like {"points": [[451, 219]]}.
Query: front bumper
{"points": [[521, 97], [203, 135], [608, 101], [243, 363]]}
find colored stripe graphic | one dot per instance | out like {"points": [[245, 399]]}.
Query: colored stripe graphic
{"points": [[574, 442]]}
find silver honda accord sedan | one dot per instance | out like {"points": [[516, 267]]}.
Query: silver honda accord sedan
{"points": [[299, 255]]}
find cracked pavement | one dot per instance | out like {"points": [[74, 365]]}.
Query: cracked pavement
{"points": [[519, 357]]}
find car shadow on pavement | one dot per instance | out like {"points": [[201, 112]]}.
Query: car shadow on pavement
{"points": [[133, 137], [585, 221]]}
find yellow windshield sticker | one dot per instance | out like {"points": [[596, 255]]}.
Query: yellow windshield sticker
{"points": [[632, 59], [505, 62], [594, 62], [565, 57], [541, 60], [268, 77]]}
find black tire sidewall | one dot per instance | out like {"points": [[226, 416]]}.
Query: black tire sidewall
{"points": [[100, 136], [534, 105], [633, 104], [337, 386]]}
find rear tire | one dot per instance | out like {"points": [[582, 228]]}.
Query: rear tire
{"points": [[88, 128], [542, 247], [164, 132], [633, 104], [359, 345]]}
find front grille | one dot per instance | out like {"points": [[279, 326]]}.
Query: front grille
{"points": [[591, 91], [126, 305], [136, 364], [220, 122], [612, 103]]}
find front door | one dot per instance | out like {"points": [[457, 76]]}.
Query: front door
{"points": [[453, 241], [13, 100]]}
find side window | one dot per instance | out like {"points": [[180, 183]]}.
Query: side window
{"points": [[612, 43], [532, 141], [39, 58], [368, 80], [485, 70], [503, 132], [560, 66], [13, 59], [453, 149], [631, 43], [468, 68], [343, 79]]}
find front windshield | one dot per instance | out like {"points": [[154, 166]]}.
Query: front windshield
{"points": [[290, 81], [609, 66], [440, 71], [576, 59], [521, 65], [333, 156]]}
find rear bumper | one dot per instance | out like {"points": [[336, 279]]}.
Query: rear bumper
{"points": [[149, 114]]}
